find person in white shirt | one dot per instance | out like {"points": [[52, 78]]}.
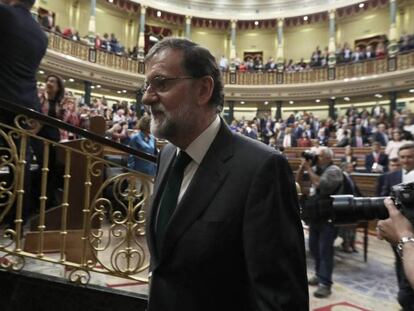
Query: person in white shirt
{"points": [[394, 145]]}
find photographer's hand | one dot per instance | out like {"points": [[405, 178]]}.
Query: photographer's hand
{"points": [[395, 227], [393, 230]]}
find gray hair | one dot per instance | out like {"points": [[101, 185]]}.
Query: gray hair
{"points": [[328, 153]]}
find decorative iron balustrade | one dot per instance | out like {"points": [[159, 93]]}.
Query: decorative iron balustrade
{"points": [[99, 223], [322, 74], [339, 72], [87, 52]]}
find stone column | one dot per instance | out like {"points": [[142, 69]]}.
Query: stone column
{"points": [[279, 53], [92, 19], [188, 27], [278, 114], [141, 36], [393, 104], [332, 39], [233, 44], [138, 104], [230, 115], [87, 89], [393, 36], [331, 108]]}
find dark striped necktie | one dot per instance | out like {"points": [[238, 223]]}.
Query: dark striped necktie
{"points": [[170, 195]]}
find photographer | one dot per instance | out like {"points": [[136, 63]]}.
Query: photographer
{"points": [[404, 175], [326, 179], [399, 231]]}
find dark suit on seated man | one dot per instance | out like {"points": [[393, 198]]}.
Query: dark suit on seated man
{"points": [[223, 229]]}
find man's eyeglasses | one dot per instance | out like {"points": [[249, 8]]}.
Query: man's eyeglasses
{"points": [[160, 83]]}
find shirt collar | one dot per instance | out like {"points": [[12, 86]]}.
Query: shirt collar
{"points": [[198, 147], [405, 172]]}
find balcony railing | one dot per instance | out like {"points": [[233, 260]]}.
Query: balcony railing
{"points": [[87, 52], [340, 72], [98, 222]]}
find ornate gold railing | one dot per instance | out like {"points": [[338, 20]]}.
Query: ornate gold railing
{"points": [[342, 71], [103, 232]]}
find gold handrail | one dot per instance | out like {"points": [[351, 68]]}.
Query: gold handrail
{"points": [[111, 231]]}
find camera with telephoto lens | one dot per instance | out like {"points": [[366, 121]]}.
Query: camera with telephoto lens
{"points": [[310, 156], [347, 209]]}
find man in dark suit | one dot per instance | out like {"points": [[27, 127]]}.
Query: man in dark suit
{"points": [[357, 139], [376, 161], [393, 166], [380, 136], [406, 174], [223, 228], [22, 46]]}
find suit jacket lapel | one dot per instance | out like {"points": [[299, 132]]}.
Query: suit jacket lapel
{"points": [[207, 180], [166, 158]]}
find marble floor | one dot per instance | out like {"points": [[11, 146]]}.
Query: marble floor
{"points": [[358, 285]]}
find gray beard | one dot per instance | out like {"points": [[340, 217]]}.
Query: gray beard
{"points": [[163, 130]]}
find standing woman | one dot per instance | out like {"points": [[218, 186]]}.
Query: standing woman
{"points": [[70, 115], [143, 141], [50, 106]]}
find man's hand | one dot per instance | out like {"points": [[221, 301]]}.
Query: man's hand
{"points": [[395, 227]]}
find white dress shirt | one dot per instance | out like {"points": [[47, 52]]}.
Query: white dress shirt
{"points": [[407, 176], [197, 150], [287, 141]]}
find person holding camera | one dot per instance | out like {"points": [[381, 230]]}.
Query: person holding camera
{"points": [[399, 231], [326, 179], [404, 175]]}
